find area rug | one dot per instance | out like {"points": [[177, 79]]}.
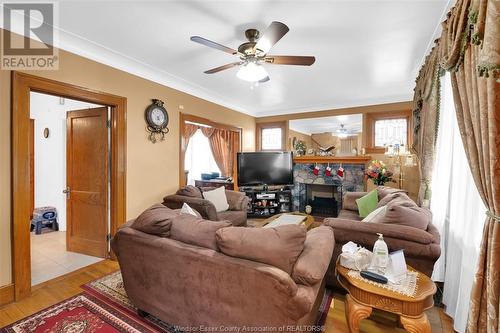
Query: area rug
{"points": [[110, 289], [81, 313]]}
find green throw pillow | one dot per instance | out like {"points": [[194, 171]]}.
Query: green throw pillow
{"points": [[368, 203]]}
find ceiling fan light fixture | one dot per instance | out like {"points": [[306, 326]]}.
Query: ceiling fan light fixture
{"points": [[251, 72]]}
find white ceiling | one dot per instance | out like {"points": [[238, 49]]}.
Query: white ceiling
{"points": [[353, 123], [367, 52]]}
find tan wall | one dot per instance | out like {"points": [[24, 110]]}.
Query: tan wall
{"points": [[300, 136], [411, 177], [152, 169]]}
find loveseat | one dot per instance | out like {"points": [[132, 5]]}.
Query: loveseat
{"points": [[194, 273], [193, 196], [413, 231]]}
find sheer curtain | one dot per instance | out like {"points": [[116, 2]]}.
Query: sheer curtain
{"points": [[199, 158], [455, 203]]}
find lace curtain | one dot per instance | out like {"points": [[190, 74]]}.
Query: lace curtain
{"points": [[455, 202]]}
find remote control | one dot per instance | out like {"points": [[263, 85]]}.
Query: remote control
{"points": [[374, 277]]}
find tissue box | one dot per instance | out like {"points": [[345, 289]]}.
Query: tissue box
{"points": [[359, 260]]}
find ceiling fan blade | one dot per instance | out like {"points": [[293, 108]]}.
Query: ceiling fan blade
{"points": [[221, 68], [290, 60], [213, 45], [264, 79], [271, 36]]}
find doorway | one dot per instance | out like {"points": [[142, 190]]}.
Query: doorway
{"points": [[22, 86], [69, 186]]}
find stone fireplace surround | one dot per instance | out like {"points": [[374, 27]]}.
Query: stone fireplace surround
{"points": [[353, 181]]}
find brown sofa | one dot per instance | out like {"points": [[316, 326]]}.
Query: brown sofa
{"points": [[193, 196], [192, 286], [421, 247]]}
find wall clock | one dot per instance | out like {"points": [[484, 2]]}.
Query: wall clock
{"points": [[156, 120]]}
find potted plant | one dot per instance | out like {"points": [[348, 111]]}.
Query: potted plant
{"points": [[378, 173]]}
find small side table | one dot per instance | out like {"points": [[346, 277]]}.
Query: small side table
{"points": [[362, 297]]}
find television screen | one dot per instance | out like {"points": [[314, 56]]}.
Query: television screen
{"points": [[271, 168]]}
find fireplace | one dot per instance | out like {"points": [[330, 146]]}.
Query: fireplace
{"points": [[324, 192], [321, 198]]}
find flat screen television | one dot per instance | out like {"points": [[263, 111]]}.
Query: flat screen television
{"points": [[270, 168]]}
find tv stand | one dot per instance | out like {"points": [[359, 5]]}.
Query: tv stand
{"points": [[265, 203]]}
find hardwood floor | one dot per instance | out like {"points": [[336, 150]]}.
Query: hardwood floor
{"points": [[55, 291]]}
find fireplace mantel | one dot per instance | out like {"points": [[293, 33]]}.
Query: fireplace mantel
{"points": [[332, 159]]}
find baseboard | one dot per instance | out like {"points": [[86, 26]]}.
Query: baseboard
{"points": [[7, 294]]}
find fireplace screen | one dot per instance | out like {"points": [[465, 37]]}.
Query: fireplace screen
{"points": [[323, 199]]}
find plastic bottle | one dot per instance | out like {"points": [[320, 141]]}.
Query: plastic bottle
{"points": [[380, 255]]}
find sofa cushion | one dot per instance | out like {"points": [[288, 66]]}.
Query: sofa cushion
{"points": [[186, 209], [404, 213], [349, 200], [156, 220], [349, 215], [236, 217], [190, 191], [367, 203], [400, 196], [218, 198], [279, 247], [383, 191], [313, 262], [195, 231]]}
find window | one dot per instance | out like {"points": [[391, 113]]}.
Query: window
{"points": [[272, 138], [272, 135], [199, 158], [391, 131], [387, 128]]}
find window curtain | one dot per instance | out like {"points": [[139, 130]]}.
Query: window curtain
{"points": [[425, 120], [187, 132], [198, 158], [455, 202], [222, 146], [469, 48]]}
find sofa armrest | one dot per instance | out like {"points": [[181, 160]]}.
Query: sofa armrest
{"points": [[365, 233], [202, 206], [312, 264], [236, 200], [349, 200]]}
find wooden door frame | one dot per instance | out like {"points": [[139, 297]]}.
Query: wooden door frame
{"points": [[183, 117], [22, 85]]}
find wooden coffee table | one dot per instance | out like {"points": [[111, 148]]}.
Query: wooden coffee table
{"points": [[308, 221], [362, 297]]}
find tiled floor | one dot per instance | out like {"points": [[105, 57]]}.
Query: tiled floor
{"points": [[49, 258]]}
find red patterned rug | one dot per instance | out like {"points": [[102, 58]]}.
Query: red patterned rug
{"points": [[81, 313], [105, 307]]}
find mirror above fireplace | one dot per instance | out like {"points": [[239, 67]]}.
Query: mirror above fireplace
{"points": [[327, 136]]}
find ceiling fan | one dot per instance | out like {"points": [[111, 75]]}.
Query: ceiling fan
{"points": [[253, 53], [343, 132]]}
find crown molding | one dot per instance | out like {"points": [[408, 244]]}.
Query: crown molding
{"points": [[94, 51]]}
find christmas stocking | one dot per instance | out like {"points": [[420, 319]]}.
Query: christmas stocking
{"points": [[316, 170], [328, 171], [340, 171]]}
